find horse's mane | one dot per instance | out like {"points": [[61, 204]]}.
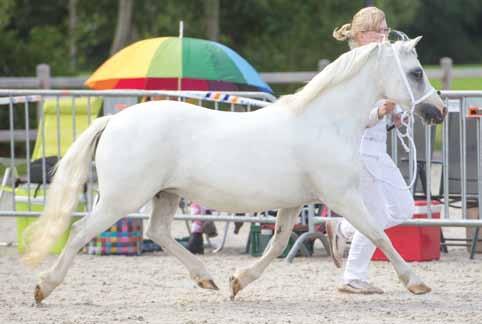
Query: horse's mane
{"points": [[343, 68]]}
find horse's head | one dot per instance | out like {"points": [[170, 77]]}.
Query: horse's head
{"points": [[405, 81]]}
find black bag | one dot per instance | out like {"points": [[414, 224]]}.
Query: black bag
{"points": [[36, 172], [36, 169]]}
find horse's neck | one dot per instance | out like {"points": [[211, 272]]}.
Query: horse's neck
{"points": [[347, 104]]}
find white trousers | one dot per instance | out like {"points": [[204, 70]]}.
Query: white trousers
{"points": [[388, 205]]}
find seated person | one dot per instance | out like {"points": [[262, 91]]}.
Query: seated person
{"points": [[198, 227]]}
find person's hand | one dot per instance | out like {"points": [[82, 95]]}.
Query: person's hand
{"points": [[385, 108], [397, 120]]}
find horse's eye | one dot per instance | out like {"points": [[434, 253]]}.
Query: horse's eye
{"points": [[416, 74]]}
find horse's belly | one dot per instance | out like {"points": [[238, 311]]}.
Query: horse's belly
{"points": [[239, 196]]}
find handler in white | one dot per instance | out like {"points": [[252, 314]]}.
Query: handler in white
{"points": [[381, 181]]}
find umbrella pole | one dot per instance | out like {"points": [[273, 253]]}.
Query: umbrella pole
{"points": [[181, 35]]}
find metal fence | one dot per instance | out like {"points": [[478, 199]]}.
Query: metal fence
{"points": [[460, 179], [62, 115]]}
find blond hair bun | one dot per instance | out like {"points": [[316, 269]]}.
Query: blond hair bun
{"points": [[342, 33], [366, 19]]}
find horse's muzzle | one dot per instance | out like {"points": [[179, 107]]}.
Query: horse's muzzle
{"points": [[430, 114]]}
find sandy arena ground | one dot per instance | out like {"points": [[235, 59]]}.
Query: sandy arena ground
{"points": [[155, 288]]}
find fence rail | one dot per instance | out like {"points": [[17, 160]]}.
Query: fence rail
{"points": [[446, 73], [468, 185], [262, 97], [301, 77], [271, 219], [269, 77]]}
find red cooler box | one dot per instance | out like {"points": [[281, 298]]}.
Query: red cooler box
{"points": [[415, 243]]}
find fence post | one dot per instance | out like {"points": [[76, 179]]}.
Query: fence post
{"points": [[446, 65], [322, 64], [43, 76]]}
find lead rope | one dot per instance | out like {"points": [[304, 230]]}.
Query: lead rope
{"points": [[407, 120]]}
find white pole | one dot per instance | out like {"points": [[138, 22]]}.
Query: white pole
{"points": [[181, 35]]}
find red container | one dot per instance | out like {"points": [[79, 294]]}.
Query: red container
{"points": [[415, 243]]}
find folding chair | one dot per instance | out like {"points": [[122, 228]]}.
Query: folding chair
{"points": [[61, 121]]}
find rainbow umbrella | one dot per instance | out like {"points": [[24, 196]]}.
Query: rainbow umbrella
{"points": [[174, 63]]}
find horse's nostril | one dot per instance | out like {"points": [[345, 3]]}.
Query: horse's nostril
{"points": [[445, 110]]}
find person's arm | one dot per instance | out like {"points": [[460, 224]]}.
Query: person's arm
{"points": [[373, 117], [383, 108]]}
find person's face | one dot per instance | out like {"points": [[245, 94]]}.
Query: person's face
{"points": [[372, 36]]}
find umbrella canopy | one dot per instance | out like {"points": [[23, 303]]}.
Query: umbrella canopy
{"points": [[173, 63]]}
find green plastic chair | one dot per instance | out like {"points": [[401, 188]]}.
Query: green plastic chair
{"points": [[69, 124]]}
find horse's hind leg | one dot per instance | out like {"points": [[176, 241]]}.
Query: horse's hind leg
{"points": [[81, 233], [355, 212], [284, 225], [164, 206]]}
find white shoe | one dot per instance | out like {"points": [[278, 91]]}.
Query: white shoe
{"points": [[337, 242], [359, 287]]}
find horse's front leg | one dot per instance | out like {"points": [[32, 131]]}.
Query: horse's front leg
{"points": [[354, 210], [284, 225]]}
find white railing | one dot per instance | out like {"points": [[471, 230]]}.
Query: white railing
{"points": [[457, 101]]}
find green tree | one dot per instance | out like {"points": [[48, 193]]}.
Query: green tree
{"points": [[273, 35], [32, 32], [6, 7], [450, 28], [286, 35]]}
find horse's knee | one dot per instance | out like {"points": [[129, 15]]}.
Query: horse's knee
{"points": [[279, 243], [78, 236], [380, 240], [376, 235]]}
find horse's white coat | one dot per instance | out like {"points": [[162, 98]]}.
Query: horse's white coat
{"points": [[302, 149]]}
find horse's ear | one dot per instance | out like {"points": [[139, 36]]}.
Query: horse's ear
{"points": [[413, 42]]}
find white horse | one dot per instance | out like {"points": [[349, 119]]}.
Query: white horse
{"points": [[301, 149]]}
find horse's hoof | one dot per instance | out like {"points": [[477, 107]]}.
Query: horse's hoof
{"points": [[38, 294], [235, 285], [419, 289], [207, 284]]}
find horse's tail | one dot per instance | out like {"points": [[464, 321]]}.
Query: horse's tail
{"points": [[63, 194]]}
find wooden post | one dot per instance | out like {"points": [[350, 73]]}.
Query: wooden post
{"points": [[446, 65], [322, 64], [211, 8], [43, 76], [73, 33], [123, 28]]}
